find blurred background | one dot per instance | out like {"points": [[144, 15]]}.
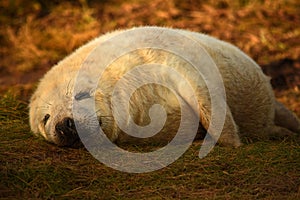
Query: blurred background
{"points": [[36, 34]]}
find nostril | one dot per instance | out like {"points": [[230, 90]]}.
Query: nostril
{"points": [[66, 126], [69, 123]]}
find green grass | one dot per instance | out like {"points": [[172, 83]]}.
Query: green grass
{"points": [[33, 168]]}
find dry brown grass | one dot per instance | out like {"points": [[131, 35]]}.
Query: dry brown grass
{"points": [[35, 43]]}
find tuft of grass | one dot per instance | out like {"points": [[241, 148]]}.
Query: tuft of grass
{"points": [[12, 109]]}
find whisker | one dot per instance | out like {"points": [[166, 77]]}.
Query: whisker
{"points": [[68, 89], [43, 107], [46, 102]]}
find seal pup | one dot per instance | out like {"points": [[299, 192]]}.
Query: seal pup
{"points": [[251, 108]]}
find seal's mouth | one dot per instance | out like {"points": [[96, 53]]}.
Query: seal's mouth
{"points": [[66, 134]]}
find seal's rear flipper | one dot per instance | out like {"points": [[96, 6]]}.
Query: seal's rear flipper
{"points": [[285, 118]]}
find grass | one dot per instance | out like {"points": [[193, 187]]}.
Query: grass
{"points": [[33, 168], [35, 35]]}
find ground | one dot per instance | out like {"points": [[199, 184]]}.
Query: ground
{"points": [[34, 35]]}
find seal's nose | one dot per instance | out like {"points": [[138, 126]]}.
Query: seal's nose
{"points": [[66, 131], [69, 123], [66, 126]]}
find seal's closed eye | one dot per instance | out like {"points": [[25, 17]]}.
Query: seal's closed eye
{"points": [[47, 116], [82, 95]]}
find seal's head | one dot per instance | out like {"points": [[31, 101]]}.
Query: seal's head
{"points": [[51, 115]]}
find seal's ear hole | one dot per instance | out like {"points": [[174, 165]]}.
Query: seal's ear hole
{"points": [[47, 116]]}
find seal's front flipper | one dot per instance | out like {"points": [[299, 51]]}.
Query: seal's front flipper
{"points": [[230, 133]]}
